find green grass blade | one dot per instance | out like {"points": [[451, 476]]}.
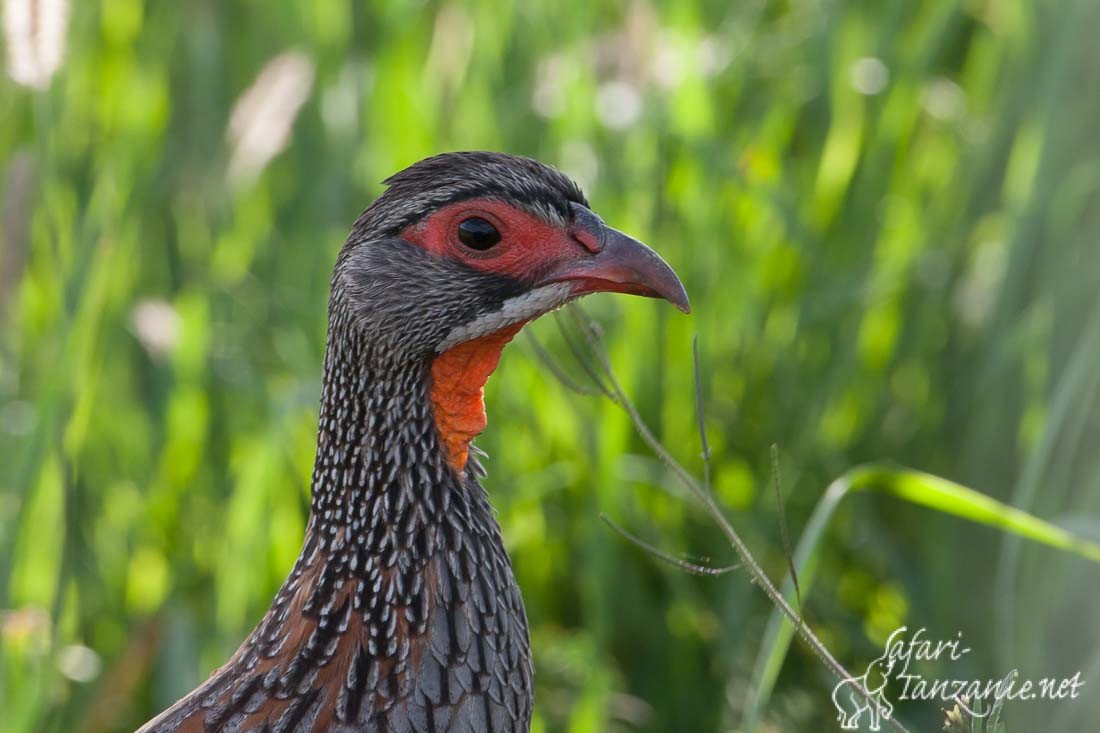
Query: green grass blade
{"points": [[918, 488]]}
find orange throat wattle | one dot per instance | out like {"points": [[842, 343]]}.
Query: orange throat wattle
{"points": [[458, 391]]}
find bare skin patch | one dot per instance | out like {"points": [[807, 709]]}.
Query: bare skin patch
{"points": [[458, 390]]}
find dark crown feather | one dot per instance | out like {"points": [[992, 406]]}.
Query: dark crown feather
{"points": [[449, 177]]}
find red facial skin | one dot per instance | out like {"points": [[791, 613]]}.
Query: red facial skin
{"points": [[528, 246], [585, 253]]}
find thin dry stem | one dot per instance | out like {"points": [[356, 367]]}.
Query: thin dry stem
{"points": [[575, 348], [776, 484], [593, 334], [690, 567], [700, 415], [555, 368]]}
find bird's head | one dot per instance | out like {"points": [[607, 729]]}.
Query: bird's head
{"points": [[461, 251]]}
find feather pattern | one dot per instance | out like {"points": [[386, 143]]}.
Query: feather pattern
{"points": [[401, 613]]}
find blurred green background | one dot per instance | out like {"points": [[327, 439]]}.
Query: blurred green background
{"points": [[886, 213]]}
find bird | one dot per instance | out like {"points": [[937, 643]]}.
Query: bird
{"points": [[401, 612]]}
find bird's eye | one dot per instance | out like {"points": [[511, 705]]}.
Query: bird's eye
{"points": [[476, 233]]}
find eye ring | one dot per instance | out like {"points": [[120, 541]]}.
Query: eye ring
{"points": [[478, 233]]}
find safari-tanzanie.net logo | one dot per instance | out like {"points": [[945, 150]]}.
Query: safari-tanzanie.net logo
{"points": [[865, 700]]}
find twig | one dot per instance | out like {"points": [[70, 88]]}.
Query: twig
{"points": [[579, 356], [555, 368], [776, 483], [699, 415], [593, 334], [682, 564]]}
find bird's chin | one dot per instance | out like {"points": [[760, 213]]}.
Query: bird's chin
{"points": [[519, 309]]}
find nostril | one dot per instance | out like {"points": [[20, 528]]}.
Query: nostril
{"points": [[588, 229], [590, 240]]}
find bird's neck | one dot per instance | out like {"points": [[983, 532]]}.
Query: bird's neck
{"points": [[378, 450], [402, 608], [403, 570], [384, 487]]}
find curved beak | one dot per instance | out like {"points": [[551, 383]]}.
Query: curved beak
{"points": [[617, 264]]}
